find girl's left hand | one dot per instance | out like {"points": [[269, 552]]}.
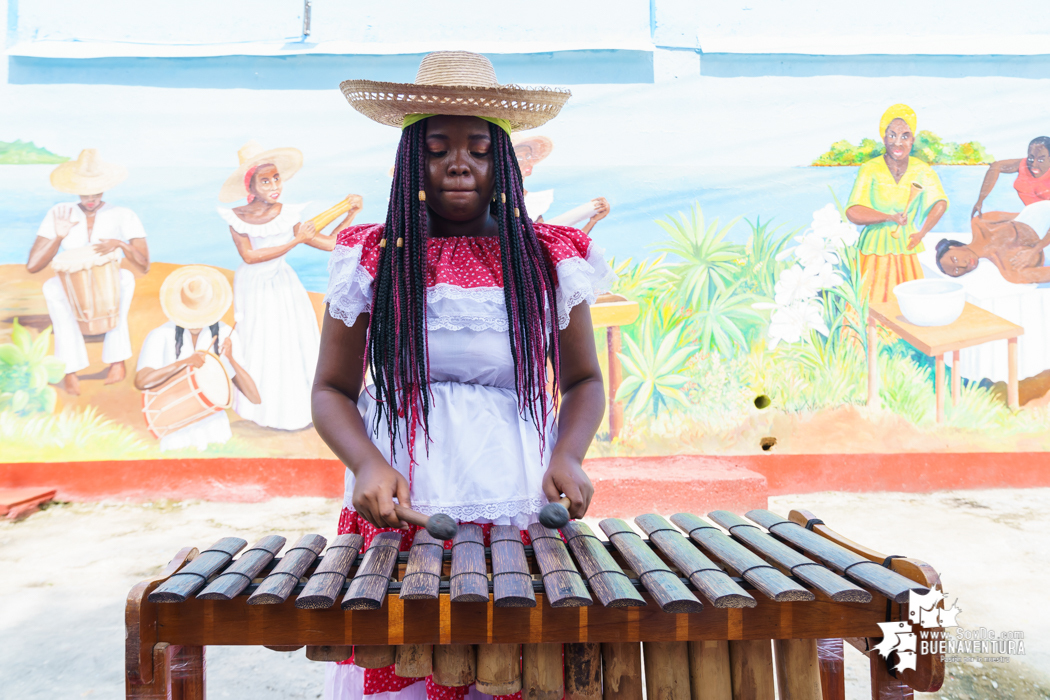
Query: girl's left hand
{"points": [[566, 476], [915, 239]]}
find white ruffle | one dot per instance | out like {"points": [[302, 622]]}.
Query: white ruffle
{"points": [[451, 307], [280, 224]]}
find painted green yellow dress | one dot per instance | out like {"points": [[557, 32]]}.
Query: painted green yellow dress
{"points": [[884, 256]]}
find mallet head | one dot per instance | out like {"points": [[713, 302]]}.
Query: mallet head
{"points": [[442, 527], [554, 515]]}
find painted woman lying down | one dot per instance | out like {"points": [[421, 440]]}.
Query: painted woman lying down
{"points": [[1013, 242]]}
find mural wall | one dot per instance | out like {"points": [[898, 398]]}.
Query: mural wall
{"points": [[762, 184]]}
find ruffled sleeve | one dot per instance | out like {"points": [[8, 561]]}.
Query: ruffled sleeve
{"points": [[351, 272], [580, 268]]}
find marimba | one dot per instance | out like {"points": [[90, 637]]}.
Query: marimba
{"points": [[573, 614]]}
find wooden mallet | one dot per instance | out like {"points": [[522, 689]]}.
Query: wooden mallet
{"points": [[439, 525], [555, 514]]}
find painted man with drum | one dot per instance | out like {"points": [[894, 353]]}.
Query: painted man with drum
{"points": [[186, 366], [84, 241]]}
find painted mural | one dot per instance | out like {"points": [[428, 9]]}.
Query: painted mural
{"points": [[162, 275]]}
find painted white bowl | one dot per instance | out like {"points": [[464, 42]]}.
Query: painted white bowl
{"points": [[931, 302]]}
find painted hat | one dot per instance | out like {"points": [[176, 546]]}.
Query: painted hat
{"points": [[195, 296], [287, 161], [88, 174], [539, 146], [457, 83]]}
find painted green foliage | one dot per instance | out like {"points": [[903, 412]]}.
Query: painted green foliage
{"points": [[928, 147], [25, 372], [26, 153]]}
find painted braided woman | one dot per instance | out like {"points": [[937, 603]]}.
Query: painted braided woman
{"points": [[454, 306]]}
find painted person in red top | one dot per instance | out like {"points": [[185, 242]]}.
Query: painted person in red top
{"points": [[1032, 183]]}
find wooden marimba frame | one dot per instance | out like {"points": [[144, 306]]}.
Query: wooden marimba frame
{"points": [[703, 600]]}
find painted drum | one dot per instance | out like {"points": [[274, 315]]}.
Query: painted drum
{"points": [[92, 284], [192, 394], [931, 302]]}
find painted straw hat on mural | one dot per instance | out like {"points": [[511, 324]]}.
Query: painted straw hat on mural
{"points": [[459, 83], [195, 296], [88, 174], [539, 146], [286, 160]]}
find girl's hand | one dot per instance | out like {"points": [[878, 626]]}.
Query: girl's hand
{"points": [[226, 349], [899, 218], [601, 209], [376, 484], [566, 476], [357, 202], [196, 360]]}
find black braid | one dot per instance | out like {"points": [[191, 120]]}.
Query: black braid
{"points": [[179, 331]]}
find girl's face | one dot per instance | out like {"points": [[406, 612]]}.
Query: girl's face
{"points": [[1038, 159], [958, 260], [460, 169], [266, 183], [898, 139]]}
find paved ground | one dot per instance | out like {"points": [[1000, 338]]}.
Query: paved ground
{"points": [[65, 572]]}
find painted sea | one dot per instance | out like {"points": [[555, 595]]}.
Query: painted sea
{"points": [[177, 204]]}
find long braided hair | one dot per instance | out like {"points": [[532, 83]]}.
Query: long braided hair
{"points": [[180, 331], [397, 335]]}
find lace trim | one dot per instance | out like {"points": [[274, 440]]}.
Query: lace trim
{"points": [[282, 223], [350, 291], [581, 280], [349, 285], [480, 511]]}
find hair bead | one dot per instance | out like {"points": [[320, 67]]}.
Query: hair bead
{"points": [[400, 242], [382, 243], [503, 196], [516, 212], [422, 196]]}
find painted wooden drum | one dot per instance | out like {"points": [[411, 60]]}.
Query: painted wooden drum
{"points": [[92, 284], [193, 394]]}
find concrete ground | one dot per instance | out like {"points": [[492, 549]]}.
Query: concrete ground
{"points": [[66, 571]]}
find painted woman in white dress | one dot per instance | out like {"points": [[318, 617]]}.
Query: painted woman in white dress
{"points": [[274, 316]]}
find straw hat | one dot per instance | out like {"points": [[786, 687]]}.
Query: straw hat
{"points": [[287, 160], [455, 82], [195, 296], [88, 174]]}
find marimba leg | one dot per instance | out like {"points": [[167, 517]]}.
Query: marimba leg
{"points": [[832, 669], [374, 656], [666, 670], [187, 674], [414, 660], [709, 673], [751, 663], [499, 668], [798, 670], [622, 671], [883, 685], [583, 671], [542, 672], [454, 664]]}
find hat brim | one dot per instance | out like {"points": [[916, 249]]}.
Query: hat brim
{"points": [[65, 178], [171, 299], [388, 103], [288, 161]]}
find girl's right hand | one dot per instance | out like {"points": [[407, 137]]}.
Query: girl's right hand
{"points": [[305, 231], [375, 486], [899, 218]]}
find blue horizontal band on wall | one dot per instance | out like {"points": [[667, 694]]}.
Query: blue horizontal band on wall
{"points": [[754, 65], [322, 71]]}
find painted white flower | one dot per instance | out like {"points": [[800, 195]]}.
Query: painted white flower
{"points": [[794, 285], [790, 324], [825, 276], [828, 224]]}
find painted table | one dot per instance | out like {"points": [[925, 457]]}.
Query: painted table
{"points": [[974, 327], [611, 311]]}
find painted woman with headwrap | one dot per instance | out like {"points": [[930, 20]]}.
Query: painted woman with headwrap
{"points": [[897, 199]]}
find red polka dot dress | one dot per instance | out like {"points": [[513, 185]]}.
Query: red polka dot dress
{"points": [[483, 463]]}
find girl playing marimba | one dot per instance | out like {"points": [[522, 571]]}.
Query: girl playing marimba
{"points": [[454, 306]]}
